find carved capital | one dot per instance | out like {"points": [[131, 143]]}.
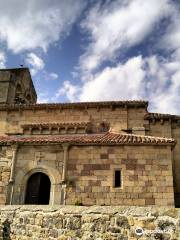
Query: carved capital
{"points": [[65, 146], [14, 147]]}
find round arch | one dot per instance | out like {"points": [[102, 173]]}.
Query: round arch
{"points": [[38, 189], [26, 172]]}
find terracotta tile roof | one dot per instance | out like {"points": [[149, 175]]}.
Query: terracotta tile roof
{"points": [[130, 103], [55, 124], [85, 139], [158, 116]]}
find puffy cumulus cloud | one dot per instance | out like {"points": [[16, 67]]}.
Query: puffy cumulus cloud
{"points": [[35, 62], [69, 90], [2, 60], [116, 83], [170, 43], [113, 83], [151, 78], [163, 85], [171, 38], [26, 25], [120, 24]]}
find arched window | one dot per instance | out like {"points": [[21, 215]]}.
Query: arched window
{"points": [[18, 89], [28, 97], [38, 189], [19, 97]]}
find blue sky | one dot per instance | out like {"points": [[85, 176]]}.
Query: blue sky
{"points": [[96, 50]]}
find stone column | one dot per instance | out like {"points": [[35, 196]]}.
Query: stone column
{"points": [[64, 173], [1, 231], [12, 174], [65, 159]]}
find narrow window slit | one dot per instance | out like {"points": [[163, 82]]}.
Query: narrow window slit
{"points": [[117, 178]]}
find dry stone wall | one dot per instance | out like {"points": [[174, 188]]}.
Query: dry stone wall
{"points": [[5, 169], [88, 223]]}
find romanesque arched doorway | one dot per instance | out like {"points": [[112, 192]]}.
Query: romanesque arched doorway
{"points": [[38, 189]]}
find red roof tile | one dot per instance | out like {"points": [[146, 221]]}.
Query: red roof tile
{"points": [[85, 139]]}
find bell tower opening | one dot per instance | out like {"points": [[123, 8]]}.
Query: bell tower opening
{"points": [[38, 189]]}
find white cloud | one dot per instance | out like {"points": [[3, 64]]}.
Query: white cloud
{"points": [[2, 60], [116, 83], [115, 27], [171, 40], [35, 62], [43, 98], [163, 85], [46, 76], [150, 78], [69, 90], [26, 25], [120, 24], [53, 76], [170, 43]]}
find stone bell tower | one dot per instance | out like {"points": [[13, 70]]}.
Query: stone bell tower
{"points": [[16, 86]]}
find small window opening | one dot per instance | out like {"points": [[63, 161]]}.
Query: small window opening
{"points": [[117, 178]]}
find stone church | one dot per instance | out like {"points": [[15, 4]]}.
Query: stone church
{"points": [[86, 153]]}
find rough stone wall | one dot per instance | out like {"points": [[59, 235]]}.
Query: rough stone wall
{"points": [[31, 159], [146, 175], [117, 117], [23, 78], [8, 82], [89, 223], [167, 128], [161, 129], [4, 86], [5, 168], [176, 161], [136, 117], [3, 122]]}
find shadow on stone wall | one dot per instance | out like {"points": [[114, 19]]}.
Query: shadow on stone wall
{"points": [[6, 228]]}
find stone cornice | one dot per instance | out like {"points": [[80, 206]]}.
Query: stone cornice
{"points": [[60, 106]]}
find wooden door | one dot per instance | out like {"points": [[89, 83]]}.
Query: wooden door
{"points": [[32, 189], [38, 189]]}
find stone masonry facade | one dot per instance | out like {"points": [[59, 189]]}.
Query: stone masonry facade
{"points": [[92, 153]]}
